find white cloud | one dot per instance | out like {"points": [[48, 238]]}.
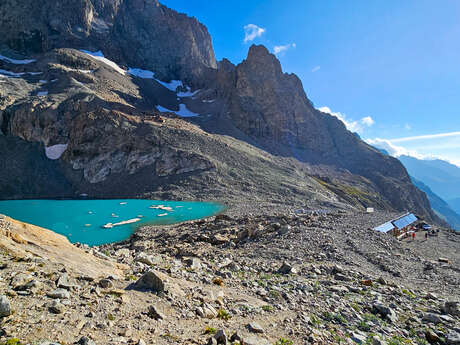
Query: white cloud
{"points": [[280, 49], [447, 151], [429, 136], [392, 149], [352, 125], [367, 121], [316, 69], [252, 31]]}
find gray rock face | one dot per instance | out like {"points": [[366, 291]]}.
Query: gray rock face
{"points": [[272, 107], [5, 307], [139, 33]]}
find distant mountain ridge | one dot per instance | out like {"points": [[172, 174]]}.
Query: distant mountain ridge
{"points": [[441, 207], [455, 204], [441, 176]]}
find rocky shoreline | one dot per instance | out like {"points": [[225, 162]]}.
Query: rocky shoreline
{"points": [[247, 276]]}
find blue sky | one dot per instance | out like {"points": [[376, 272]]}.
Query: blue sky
{"points": [[389, 69]]}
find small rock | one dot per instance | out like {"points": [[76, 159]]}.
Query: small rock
{"points": [[219, 239], [431, 337], [5, 307], [59, 293], [141, 342], [236, 337], [287, 269], [342, 277], [253, 340], [358, 338], [212, 341], [385, 311], [85, 341], [284, 229], [193, 263], [56, 307], [20, 280], [105, 283], [207, 311], [220, 337], [444, 260], [124, 252], [431, 317], [453, 338], [382, 281], [254, 327], [431, 295], [147, 259], [339, 289], [65, 283], [451, 308], [154, 313]]}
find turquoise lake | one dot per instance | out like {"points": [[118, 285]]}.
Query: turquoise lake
{"points": [[83, 220]]}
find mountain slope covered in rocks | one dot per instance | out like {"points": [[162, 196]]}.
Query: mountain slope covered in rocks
{"points": [[99, 98], [270, 277]]}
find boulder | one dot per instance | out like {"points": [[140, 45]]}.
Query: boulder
{"points": [[151, 280], [5, 307]]}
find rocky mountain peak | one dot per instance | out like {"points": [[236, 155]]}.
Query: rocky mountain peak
{"points": [[261, 60], [134, 33]]}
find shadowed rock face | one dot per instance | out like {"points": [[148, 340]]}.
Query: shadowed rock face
{"points": [[137, 33]]}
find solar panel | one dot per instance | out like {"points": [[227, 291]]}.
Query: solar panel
{"points": [[405, 221], [385, 227]]}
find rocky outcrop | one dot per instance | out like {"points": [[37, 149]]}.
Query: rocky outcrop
{"points": [[22, 240], [272, 107], [136, 33]]}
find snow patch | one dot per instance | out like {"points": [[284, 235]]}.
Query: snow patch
{"points": [[55, 152], [16, 62], [172, 85], [164, 110], [99, 56], [43, 81], [6, 73], [183, 111], [188, 93], [10, 74], [141, 73], [42, 93], [209, 100]]}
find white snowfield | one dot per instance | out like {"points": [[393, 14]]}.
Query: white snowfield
{"points": [[42, 93], [55, 152], [16, 62], [182, 112], [140, 73], [172, 85], [99, 56]]}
